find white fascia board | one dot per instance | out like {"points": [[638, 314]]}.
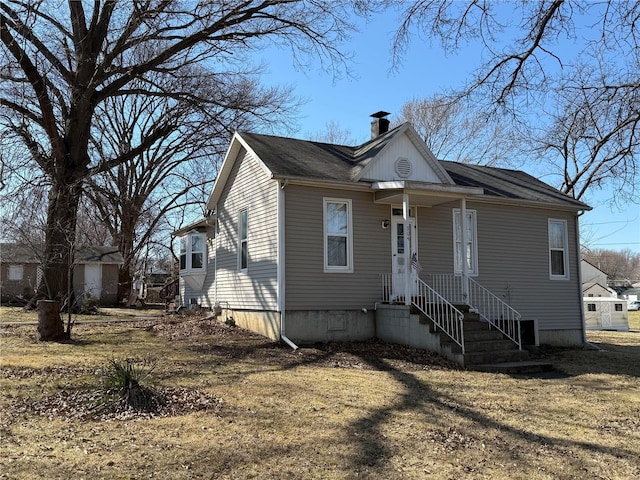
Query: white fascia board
{"points": [[530, 203], [310, 182]]}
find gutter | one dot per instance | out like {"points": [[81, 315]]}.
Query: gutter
{"points": [[280, 264]]}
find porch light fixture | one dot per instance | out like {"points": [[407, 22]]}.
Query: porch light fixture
{"points": [[385, 224]]}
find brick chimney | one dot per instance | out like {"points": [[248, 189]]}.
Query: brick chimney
{"points": [[380, 124]]}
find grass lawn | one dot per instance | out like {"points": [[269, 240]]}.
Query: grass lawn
{"points": [[316, 414]]}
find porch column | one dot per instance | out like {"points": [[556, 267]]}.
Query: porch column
{"points": [[463, 241], [407, 246]]}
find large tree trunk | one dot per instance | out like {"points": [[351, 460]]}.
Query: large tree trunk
{"points": [[124, 282], [50, 325], [58, 253]]}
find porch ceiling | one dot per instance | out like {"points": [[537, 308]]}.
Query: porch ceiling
{"points": [[421, 194]]}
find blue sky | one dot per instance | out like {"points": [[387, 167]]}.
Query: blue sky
{"points": [[423, 72]]}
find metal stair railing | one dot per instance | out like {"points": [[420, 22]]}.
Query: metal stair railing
{"points": [[496, 311], [490, 307], [434, 306], [443, 314]]}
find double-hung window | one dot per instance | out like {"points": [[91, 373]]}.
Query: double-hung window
{"points": [[469, 251], [193, 253], [243, 245], [338, 236], [558, 250]]}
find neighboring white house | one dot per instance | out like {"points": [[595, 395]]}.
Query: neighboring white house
{"points": [[307, 239]]}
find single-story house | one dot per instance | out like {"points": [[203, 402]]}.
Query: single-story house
{"points": [[309, 241], [606, 313], [95, 273]]}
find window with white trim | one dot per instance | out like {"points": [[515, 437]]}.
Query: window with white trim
{"points": [[243, 244], [193, 253], [338, 236], [591, 307], [15, 273], [558, 250], [470, 250]]}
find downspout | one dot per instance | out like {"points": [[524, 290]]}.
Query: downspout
{"points": [[408, 292], [581, 303], [215, 257], [280, 276]]}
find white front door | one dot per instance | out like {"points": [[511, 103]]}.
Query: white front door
{"points": [[399, 259], [93, 280]]}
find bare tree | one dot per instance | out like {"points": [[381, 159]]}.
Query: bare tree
{"points": [[60, 63], [453, 131], [580, 56], [620, 266], [132, 199], [334, 133]]}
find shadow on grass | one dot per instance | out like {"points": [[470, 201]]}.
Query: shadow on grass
{"points": [[421, 399]]}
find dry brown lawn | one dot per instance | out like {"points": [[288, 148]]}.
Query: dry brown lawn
{"points": [[330, 412]]}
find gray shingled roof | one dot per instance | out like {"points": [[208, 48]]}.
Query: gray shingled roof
{"points": [[20, 253], [505, 183], [289, 157]]}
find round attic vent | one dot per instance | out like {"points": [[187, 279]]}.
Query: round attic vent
{"points": [[403, 167]]}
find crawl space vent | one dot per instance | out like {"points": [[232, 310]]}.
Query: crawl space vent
{"points": [[403, 167]]}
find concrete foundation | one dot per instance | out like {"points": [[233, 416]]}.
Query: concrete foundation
{"points": [[264, 323], [330, 325], [396, 324], [561, 338]]}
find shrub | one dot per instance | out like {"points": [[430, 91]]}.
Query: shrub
{"points": [[125, 377]]}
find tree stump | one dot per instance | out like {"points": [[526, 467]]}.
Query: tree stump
{"points": [[50, 325]]}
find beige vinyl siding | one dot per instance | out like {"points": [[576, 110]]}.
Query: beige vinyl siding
{"points": [[513, 258], [248, 187], [307, 286]]}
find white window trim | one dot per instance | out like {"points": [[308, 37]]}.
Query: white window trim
{"points": [[12, 273], [188, 268], [338, 269], [565, 249], [241, 240], [457, 269]]}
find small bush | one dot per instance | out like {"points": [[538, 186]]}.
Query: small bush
{"points": [[125, 377]]}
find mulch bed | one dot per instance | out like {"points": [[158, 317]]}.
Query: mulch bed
{"points": [[208, 335]]}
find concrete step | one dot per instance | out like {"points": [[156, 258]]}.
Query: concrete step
{"points": [[502, 356], [522, 367], [479, 335], [475, 325], [492, 345]]}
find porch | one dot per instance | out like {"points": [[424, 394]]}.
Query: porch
{"points": [[453, 316]]}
